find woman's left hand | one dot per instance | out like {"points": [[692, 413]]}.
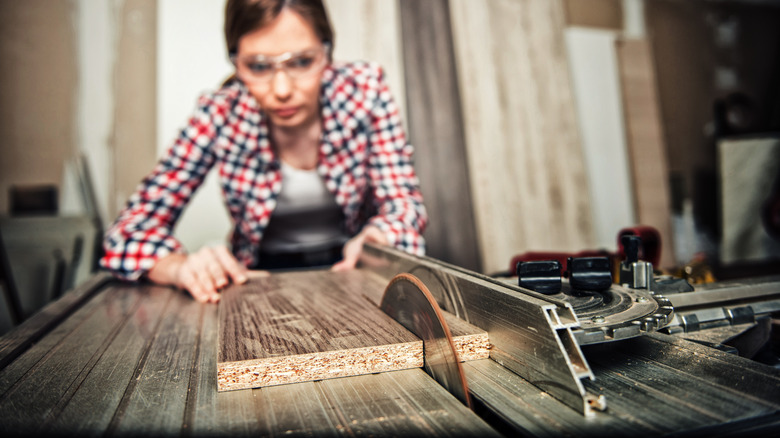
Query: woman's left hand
{"points": [[354, 247]]}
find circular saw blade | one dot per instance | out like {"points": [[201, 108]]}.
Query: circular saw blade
{"points": [[408, 301]]}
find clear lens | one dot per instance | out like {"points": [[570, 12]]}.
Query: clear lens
{"points": [[260, 68]]}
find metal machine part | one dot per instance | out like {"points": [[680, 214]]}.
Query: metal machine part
{"points": [[616, 313], [727, 303], [530, 333], [609, 313], [634, 273], [541, 338], [408, 301], [606, 312]]}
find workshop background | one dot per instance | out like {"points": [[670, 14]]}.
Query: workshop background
{"points": [[539, 125]]}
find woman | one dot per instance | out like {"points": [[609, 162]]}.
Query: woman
{"points": [[311, 155]]}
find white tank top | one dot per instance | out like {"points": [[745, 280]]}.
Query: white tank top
{"points": [[306, 217]]}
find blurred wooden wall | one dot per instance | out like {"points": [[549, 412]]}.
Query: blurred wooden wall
{"points": [[38, 95], [525, 160], [435, 121], [490, 111]]}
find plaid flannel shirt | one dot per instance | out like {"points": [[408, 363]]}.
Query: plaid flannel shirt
{"points": [[365, 162]]}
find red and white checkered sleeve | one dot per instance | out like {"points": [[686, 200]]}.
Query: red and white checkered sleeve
{"points": [[400, 210], [143, 232]]}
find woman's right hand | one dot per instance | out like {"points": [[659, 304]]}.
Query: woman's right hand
{"points": [[203, 274]]}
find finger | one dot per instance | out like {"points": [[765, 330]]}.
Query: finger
{"points": [[343, 265], [193, 285], [208, 275], [209, 268], [257, 274], [351, 254], [204, 282], [215, 297], [234, 269]]}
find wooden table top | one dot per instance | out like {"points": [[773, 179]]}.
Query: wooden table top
{"points": [[112, 358], [116, 358]]}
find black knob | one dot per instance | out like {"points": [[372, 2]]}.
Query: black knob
{"points": [[589, 273], [540, 276]]}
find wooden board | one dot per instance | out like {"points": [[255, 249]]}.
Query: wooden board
{"points": [[435, 123], [528, 182], [647, 150], [304, 326], [140, 360], [605, 14], [748, 169], [594, 72]]}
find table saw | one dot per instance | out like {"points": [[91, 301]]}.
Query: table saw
{"points": [[115, 358]]}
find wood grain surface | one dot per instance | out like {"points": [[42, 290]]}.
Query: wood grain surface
{"points": [[647, 149], [435, 125], [528, 180], [140, 360], [312, 325], [302, 326]]}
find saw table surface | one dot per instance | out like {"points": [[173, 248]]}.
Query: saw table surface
{"points": [[117, 359]]}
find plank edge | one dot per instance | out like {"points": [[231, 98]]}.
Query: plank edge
{"points": [[280, 370]]}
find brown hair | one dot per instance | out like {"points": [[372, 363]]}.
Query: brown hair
{"points": [[244, 16]]}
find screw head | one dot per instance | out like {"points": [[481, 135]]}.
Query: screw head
{"points": [[598, 319]]}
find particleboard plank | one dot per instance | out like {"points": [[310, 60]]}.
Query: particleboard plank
{"points": [[470, 341], [303, 326]]}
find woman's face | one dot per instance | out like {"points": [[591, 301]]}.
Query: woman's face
{"points": [[281, 65]]}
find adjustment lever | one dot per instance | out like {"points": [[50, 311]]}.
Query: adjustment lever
{"points": [[635, 273]]}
